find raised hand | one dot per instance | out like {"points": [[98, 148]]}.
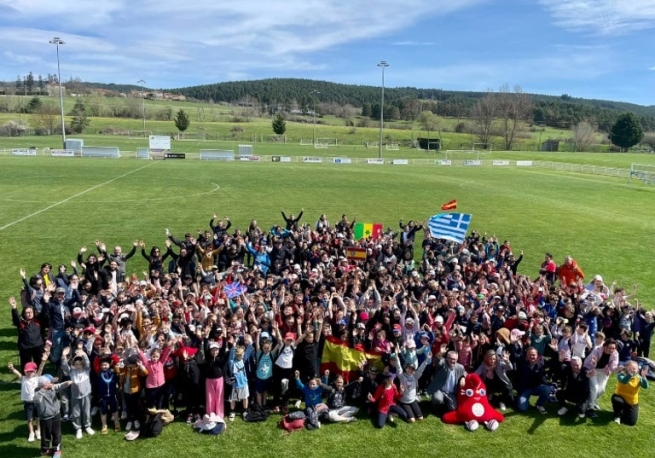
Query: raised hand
{"points": [[83, 249], [12, 302], [22, 272]]}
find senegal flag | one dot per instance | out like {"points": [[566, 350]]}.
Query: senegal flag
{"points": [[347, 362], [366, 230]]}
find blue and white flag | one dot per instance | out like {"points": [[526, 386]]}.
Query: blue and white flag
{"points": [[450, 226]]}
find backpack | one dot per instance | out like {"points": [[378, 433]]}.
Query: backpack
{"points": [[153, 426], [256, 413], [290, 425], [215, 431]]}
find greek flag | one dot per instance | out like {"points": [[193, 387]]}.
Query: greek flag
{"points": [[450, 226]]}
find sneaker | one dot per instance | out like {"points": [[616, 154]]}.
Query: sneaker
{"points": [[66, 418], [592, 414], [562, 411], [595, 407], [581, 415], [502, 406], [318, 424], [231, 417], [117, 427], [189, 419], [128, 426], [30, 438], [78, 434], [137, 425], [391, 419], [89, 431], [37, 434], [617, 420], [104, 430], [124, 415], [541, 410], [297, 404], [245, 416]]}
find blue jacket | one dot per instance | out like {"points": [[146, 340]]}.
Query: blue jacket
{"points": [[262, 260]]}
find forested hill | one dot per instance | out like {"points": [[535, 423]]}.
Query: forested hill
{"points": [[551, 110]]}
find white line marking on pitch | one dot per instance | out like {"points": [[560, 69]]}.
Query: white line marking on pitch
{"points": [[71, 197]]}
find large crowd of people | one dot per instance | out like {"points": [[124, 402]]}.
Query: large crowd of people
{"points": [[226, 320]]}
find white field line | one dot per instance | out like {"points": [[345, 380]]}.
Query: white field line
{"points": [[72, 197]]}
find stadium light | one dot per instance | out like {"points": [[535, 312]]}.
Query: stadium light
{"points": [[143, 95], [58, 41], [383, 64], [314, 134]]}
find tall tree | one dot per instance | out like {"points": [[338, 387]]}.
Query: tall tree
{"points": [[80, 119], [429, 122], [514, 109], [484, 117], [583, 135], [366, 110], [279, 124], [626, 131], [30, 82], [182, 120]]}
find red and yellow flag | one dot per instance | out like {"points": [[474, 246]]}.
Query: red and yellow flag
{"points": [[366, 230], [452, 205], [345, 361]]}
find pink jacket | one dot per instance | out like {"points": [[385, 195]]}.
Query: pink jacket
{"points": [[155, 377], [596, 353]]}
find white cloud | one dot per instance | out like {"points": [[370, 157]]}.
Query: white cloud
{"points": [[413, 43], [607, 17], [208, 38]]}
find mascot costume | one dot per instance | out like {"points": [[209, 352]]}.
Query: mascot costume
{"points": [[473, 407]]}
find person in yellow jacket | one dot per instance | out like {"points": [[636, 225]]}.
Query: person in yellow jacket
{"points": [[131, 372], [625, 400]]}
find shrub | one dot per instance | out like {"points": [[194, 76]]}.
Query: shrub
{"points": [[14, 129]]}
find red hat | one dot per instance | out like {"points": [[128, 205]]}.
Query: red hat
{"points": [[363, 316], [397, 327], [99, 340], [30, 367], [90, 329], [289, 336]]}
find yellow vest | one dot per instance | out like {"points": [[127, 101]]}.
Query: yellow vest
{"points": [[629, 391]]}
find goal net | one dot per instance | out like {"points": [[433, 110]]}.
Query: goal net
{"points": [[308, 142], [191, 136], [462, 154], [392, 147], [643, 172], [318, 145], [328, 141], [136, 134]]}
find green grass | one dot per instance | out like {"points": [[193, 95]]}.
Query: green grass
{"points": [[603, 223]]}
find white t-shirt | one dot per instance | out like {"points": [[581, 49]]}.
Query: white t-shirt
{"points": [[285, 358], [28, 387]]}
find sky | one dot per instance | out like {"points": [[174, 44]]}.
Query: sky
{"points": [[598, 49]]}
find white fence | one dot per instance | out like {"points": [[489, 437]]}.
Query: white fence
{"points": [[560, 166]]}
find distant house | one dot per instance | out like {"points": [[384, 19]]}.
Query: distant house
{"points": [[157, 95], [550, 145], [53, 89]]}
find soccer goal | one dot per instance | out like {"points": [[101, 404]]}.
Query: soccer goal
{"points": [[306, 142], [484, 148], [319, 145], [136, 134], [392, 147], [328, 141], [191, 136], [645, 173], [464, 154]]}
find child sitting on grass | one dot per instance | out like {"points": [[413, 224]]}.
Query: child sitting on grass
{"points": [[385, 398]]}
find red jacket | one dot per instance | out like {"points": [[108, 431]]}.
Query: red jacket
{"points": [[385, 398], [570, 273]]}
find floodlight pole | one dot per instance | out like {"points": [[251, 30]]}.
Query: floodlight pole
{"points": [[58, 41], [382, 65], [143, 95], [314, 134]]}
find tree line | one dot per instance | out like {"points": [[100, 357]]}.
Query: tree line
{"points": [[407, 103]]}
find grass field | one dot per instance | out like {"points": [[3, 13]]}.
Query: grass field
{"points": [[50, 207]]}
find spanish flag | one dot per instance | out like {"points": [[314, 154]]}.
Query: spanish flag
{"points": [[347, 362], [366, 230], [452, 205]]}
